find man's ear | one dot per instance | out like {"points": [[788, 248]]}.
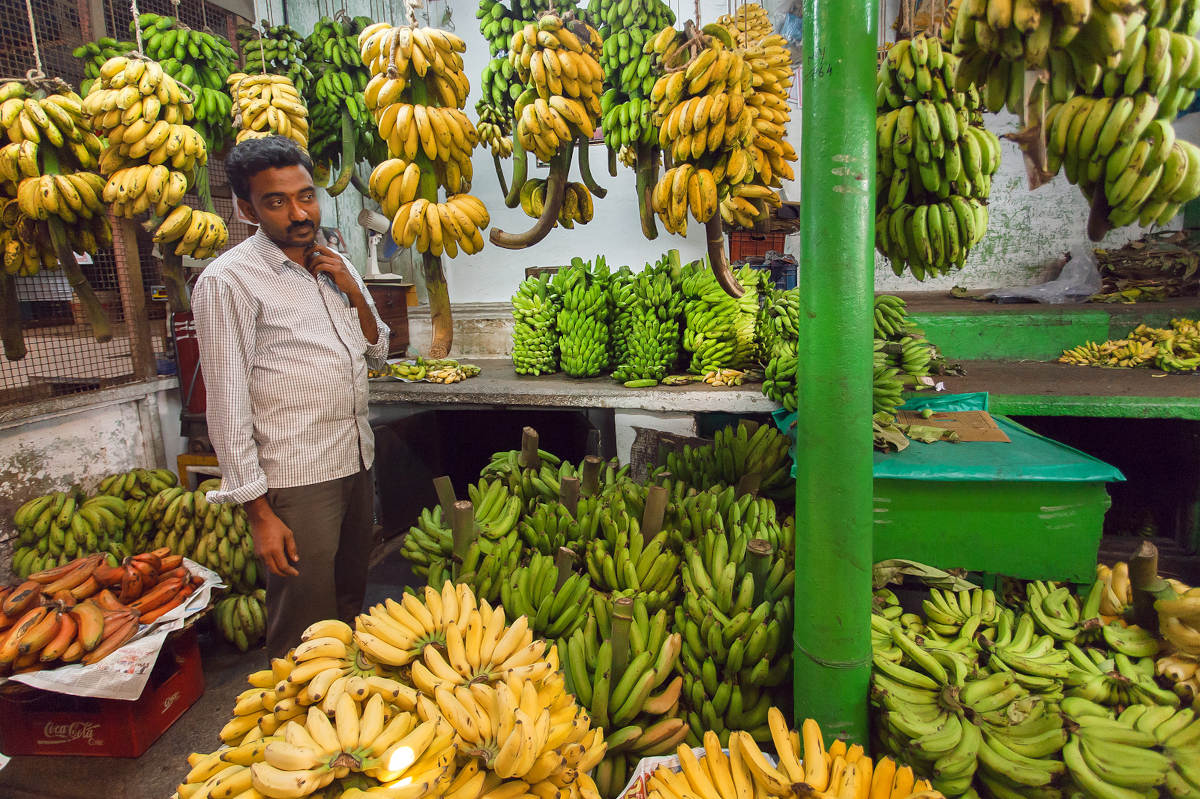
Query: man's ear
{"points": [[247, 210]]}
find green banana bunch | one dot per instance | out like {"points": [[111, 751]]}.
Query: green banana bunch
{"points": [[621, 669], [494, 128], [57, 528], [342, 130], [487, 564], [735, 614], [904, 358], [623, 562], [629, 71], [94, 54], [242, 618], [934, 160], [200, 59], [1139, 752], [777, 328], [722, 509], [137, 483], [719, 329], [427, 542], [735, 452], [554, 599], [275, 49], [779, 379], [582, 323], [648, 308]]}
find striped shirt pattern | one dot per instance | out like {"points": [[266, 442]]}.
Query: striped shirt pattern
{"points": [[285, 366]]}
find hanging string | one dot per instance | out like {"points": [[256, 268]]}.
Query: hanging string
{"points": [[410, 7], [204, 15], [133, 9], [37, 53]]}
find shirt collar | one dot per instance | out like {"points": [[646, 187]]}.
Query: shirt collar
{"points": [[270, 252]]}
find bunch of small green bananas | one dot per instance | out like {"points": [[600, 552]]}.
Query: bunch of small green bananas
{"points": [[535, 310], [646, 330], [935, 161], [582, 322], [275, 49], [719, 329]]}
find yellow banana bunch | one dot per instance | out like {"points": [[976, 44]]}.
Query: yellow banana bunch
{"points": [[749, 25], [47, 153], [134, 190], [417, 92], [721, 114], [199, 233], [482, 711], [576, 207], [268, 105], [494, 130], [840, 772], [559, 60]]}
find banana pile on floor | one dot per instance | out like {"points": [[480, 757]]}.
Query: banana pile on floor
{"points": [[582, 322], [805, 768], [935, 161], [669, 604], [1172, 349], [535, 338], [341, 129], [267, 105], [275, 49], [151, 152], [435, 696], [646, 332], [200, 60], [1048, 693], [719, 329], [48, 169], [1119, 74], [418, 108], [54, 529]]}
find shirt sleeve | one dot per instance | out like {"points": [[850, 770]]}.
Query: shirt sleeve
{"points": [[376, 353], [225, 323]]}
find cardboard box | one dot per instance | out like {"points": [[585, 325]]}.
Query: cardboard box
{"points": [[34, 722]]}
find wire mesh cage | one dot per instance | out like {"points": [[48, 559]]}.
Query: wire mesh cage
{"points": [[62, 356]]}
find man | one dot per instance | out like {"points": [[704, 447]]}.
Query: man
{"points": [[286, 330]]}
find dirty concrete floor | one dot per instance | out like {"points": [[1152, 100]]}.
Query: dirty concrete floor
{"points": [[155, 774]]}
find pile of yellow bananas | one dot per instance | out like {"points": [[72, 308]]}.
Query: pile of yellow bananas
{"points": [[1175, 348], [267, 105], [438, 696], [416, 93], [559, 60], [46, 157]]}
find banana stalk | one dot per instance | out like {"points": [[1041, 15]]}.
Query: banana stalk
{"points": [[647, 176], [10, 319], [612, 162], [348, 156], [512, 197], [716, 257], [585, 171], [101, 329], [358, 184], [176, 281], [500, 176], [555, 191], [431, 265]]}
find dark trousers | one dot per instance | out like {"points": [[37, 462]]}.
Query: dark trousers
{"points": [[332, 524]]}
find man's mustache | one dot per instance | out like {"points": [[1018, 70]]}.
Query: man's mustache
{"points": [[301, 226]]}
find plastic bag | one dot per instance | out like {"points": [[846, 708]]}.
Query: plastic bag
{"points": [[1078, 281]]}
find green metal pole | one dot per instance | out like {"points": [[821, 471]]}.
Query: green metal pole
{"points": [[833, 385]]}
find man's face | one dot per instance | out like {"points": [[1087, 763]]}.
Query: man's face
{"points": [[283, 201]]}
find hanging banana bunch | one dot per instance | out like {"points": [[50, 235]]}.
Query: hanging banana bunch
{"points": [[94, 54], [50, 206], [630, 72], [267, 105], [151, 158], [341, 128], [276, 49], [935, 161], [557, 57], [499, 85], [417, 92], [200, 60], [1119, 74]]}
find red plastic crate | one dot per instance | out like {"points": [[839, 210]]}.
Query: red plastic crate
{"points": [[34, 722], [748, 244]]}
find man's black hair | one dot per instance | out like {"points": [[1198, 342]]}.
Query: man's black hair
{"points": [[252, 156]]}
